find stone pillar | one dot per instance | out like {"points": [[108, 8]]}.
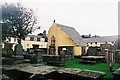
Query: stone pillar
{"points": [[111, 57], [106, 56]]}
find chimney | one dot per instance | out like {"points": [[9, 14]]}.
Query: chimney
{"points": [[54, 21]]}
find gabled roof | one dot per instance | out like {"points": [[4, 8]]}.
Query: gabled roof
{"points": [[73, 34], [102, 39]]}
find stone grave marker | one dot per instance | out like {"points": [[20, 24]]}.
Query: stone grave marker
{"points": [[19, 51]]}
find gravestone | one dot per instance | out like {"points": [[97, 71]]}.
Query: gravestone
{"points": [[62, 55], [34, 59], [19, 51], [118, 56], [90, 75], [67, 74], [39, 53], [106, 56]]}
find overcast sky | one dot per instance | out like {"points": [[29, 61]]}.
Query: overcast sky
{"points": [[98, 17]]}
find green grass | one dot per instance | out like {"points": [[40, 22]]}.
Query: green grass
{"points": [[104, 67]]}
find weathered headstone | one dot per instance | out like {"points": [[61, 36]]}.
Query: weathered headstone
{"points": [[117, 55], [19, 50], [62, 56], [91, 75], [39, 54], [67, 74], [34, 59], [40, 72], [106, 56]]}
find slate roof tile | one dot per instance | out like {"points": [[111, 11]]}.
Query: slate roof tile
{"points": [[73, 34]]}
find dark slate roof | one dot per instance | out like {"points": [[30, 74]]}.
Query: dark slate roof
{"points": [[73, 34], [102, 39]]}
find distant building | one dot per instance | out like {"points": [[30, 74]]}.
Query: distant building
{"points": [[34, 41], [11, 40], [98, 41], [98, 45], [30, 41]]}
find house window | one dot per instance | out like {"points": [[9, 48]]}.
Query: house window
{"points": [[52, 40], [38, 39], [31, 38], [52, 46]]}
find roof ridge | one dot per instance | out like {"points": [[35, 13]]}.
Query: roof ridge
{"points": [[64, 26], [72, 33]]}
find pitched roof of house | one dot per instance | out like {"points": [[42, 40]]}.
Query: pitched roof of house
{"points": [[102, 39], [73, 34]]}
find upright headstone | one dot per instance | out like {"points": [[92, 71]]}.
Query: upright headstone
{"points": [[106, 56], [19, 50], [39, 54], [34, 59], [62, 55]]}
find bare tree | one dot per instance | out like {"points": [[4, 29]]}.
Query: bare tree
{"points": [[17, 21]]}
